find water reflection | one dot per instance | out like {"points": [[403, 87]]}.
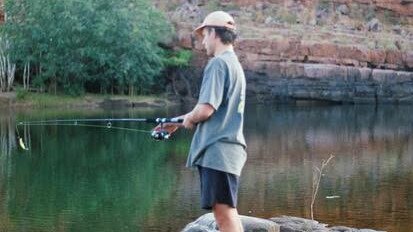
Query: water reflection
{"points": [[7, 134], [371, 172], [83, 179]]}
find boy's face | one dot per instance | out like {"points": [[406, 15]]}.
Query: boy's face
{"points": [[209, 41]]}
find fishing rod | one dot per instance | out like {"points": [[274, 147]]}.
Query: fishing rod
{"points": [[159, 134]]}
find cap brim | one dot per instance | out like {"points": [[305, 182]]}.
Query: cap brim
{"points": [[198, 30]]}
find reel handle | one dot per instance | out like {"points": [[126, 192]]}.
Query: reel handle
{"points": [[162, 134]]}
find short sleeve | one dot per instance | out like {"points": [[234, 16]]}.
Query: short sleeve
{"points": [[213, 83]]}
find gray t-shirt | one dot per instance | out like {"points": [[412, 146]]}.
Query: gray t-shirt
{"points": [[218, 142]]}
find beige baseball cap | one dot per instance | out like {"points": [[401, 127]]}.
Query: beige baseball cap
{"points": [[218, 19]]}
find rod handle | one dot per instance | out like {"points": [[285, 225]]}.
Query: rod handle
{"points": [[169, 120]]}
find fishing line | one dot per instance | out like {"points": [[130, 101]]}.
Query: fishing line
{"points": [[159, 134], [108, 126]]}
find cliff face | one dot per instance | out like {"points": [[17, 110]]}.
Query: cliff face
{"points": [[340, 50], [401, 7]]}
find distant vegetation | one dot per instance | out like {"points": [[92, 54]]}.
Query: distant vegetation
{"points": [[97, 46]]}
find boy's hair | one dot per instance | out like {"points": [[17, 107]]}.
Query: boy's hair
{"points": [[226, 35]]}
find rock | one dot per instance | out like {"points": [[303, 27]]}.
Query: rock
{"points": [[253, 51], [259, 6], [329, 82], [270, 21], [343, 9], [313, 22], [404, 7], [187, 12], [348, 229], [397, 29], [398, 45], [280, 64], [321, 14], [374, 25], [295, 224], [394, 58], [234, 13], [409, 60], [206, 223]]}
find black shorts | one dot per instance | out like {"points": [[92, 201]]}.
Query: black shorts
{"points": [[217, 187]]}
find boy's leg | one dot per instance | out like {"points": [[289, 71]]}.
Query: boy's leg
{"points": [[219, 192], [227, 218]]}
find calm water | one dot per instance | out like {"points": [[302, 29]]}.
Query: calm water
{"points": [[98, 179]]}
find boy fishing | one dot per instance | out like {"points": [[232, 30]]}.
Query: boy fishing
{"points": [[218, 145]]}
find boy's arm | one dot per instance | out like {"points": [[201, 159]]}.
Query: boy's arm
{"points": [[200, 113]]}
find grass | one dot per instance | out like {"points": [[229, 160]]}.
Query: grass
{"points": [[45, 100]]}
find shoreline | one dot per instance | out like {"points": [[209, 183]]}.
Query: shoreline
{"points": [[91, 101]]}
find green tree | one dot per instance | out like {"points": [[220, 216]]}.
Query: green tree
{"points": [[93, 45]]}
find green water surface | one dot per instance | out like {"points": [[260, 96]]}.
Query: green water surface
{"points": [[98, 179]]}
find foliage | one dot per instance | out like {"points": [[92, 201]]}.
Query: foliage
{"points": [[94, 45], [179, 58], [21, 93]]}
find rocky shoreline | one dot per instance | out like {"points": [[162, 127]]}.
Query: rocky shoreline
{"points": [[206, 223], [342, 84]]}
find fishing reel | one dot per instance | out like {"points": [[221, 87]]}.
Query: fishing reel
{"points": [[160, 135]]}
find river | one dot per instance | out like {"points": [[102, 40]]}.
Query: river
{"points": [[77, 178]]}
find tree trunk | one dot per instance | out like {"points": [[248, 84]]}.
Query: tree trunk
{"points": [[131, 90], [26, 76], [7, 68]]}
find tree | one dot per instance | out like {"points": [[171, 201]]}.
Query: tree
{"points": [[93, 45]]}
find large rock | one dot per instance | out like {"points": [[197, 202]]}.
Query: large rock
{"points": [[296, 224], [286, 81], [253, 51], [206, 223]]}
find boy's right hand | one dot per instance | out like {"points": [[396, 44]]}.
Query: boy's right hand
{"points": [[170, 127]]}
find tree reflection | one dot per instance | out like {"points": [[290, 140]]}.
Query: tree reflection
{"points": [[7, 135], [81, 179]]}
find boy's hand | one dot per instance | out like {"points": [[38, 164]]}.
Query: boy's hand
{"points": [[170, 127]]}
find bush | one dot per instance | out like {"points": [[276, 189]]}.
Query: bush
{"points": [[94, 45], [21, 93], [180, 58]]}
